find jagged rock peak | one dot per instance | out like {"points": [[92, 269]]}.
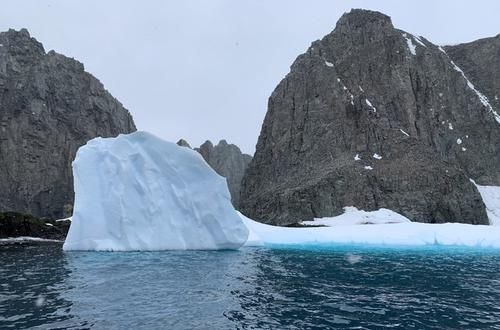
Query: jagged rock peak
{"points": [[183, 143], [362, 18], [21, 37], [227, 160], [19, 45], [207, 145]]}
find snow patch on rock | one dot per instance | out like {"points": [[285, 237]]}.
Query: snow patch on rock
{"points": [[482, 98], [418, 40], [370, 105], [491, 199], [353, 216], [411, 45]]}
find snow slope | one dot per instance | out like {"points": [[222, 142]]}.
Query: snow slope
{"points": [[353, 216], [138, 192], [398, 234], [491, 199]]}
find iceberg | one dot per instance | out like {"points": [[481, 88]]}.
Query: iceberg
{"points": [[138, 192], [352, 230]]}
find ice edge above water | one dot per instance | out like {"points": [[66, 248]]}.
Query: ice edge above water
{"points": [[383, 228], [405, 234]]}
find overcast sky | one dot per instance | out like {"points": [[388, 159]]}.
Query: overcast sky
{"points": [[205, 69]]}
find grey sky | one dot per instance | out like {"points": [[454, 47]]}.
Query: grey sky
{"points": [[204, 69]]}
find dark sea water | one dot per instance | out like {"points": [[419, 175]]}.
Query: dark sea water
{"points": [[254, 288]]}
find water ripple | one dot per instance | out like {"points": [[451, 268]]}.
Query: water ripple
{"points": [[347, 288]]}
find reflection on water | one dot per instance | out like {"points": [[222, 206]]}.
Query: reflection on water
{"points": [[43, 287]]}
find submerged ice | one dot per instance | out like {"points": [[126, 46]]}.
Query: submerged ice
{"points": [[138, 192]]}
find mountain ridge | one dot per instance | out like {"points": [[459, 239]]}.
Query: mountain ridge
{"points": [[371, 116]]}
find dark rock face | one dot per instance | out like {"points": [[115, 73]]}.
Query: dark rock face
{"points": [[16, 225], [374, 117], [228, 161], [480, 60], [49, 107]]}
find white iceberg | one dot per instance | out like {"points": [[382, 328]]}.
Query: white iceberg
{"points": [[138, 192], [350, 231]]}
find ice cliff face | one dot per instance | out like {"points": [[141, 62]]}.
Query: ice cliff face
{"points": [[138, 192], [49, 106], [375, 117], [227, 160]]}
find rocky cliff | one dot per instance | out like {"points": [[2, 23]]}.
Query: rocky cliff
{"points": [[480, 61], [227, 160], [49, 107], [372, 116]]}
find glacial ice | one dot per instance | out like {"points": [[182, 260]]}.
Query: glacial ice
{"points": [[138, 192], [350, 228]]}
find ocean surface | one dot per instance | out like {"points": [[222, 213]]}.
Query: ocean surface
{"points": [[255, 288]]}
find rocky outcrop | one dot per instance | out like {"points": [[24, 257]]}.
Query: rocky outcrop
{"points": [[20, 225], [183, 143], [49, 107], [227, 160], [480, 61], [374, 117]]}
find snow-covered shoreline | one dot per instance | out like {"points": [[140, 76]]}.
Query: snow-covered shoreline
{"points": [[27, 239]]}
